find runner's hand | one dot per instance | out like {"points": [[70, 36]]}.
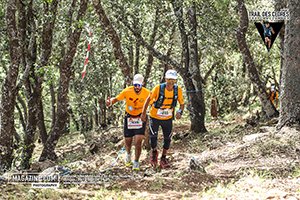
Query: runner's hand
{"points": [[178, 115], [108, 102]]}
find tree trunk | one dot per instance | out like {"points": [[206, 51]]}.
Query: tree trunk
{"points": [[24, 109], [267, 106], [46, 49], [103, 118], [91, 122], [41, 121], [32, 94], [197, 109], [191, 73], [115, 40], [9, 89], [290, 88], [21, 117], [30, 132], [63, 91]]}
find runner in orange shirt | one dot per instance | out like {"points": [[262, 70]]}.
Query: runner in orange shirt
{"points": [[274, 95], [163, 99], [135, 97]]}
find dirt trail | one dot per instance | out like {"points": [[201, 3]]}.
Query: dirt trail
{"points": [[232, 161]]}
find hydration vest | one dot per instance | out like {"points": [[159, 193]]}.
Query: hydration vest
{"points": [[161, 96], [267, 31]]}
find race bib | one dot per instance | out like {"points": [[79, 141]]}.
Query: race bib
{"points": [[165, 112], [134, 123]]}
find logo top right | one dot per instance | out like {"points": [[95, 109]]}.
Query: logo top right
{"points": [[268, 32]]}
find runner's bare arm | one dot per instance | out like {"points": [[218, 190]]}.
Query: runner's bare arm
{"points": [[143, 116], [111, 101], [272, 30]]}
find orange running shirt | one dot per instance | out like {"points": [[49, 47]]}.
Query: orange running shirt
{"points": [[164, 113], [134, 101]]}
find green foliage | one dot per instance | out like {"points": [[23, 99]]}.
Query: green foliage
{"points": [[296, 172], [48, 1], [80, 24]]}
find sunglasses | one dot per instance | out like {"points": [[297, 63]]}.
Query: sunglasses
{"points": [[137, 85]]}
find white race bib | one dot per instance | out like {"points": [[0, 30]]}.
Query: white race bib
{"points": [[134, 123], [165, 112]]}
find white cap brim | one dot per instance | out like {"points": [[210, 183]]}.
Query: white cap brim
{"points": [[171, 77], [137, 82]]}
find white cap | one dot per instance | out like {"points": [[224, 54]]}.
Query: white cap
{"points": [[138, 79], [171, 74], [272, 88]]}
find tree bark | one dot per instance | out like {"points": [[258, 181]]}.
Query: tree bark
{"points": [[21, 117], [267, 106], [197, 108], [290, 90], [63, 91], [103, 118], [46, 49], [9, 89], [115, 40], [24, 107], [32, 93]]}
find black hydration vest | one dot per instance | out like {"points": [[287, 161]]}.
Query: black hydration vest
{"points": [[161, 97]]}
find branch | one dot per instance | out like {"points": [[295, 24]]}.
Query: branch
{"points": [[47, 33], [164, 58], [208, 73]]}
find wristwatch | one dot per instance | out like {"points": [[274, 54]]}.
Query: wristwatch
{"points": [[180, 111]]}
